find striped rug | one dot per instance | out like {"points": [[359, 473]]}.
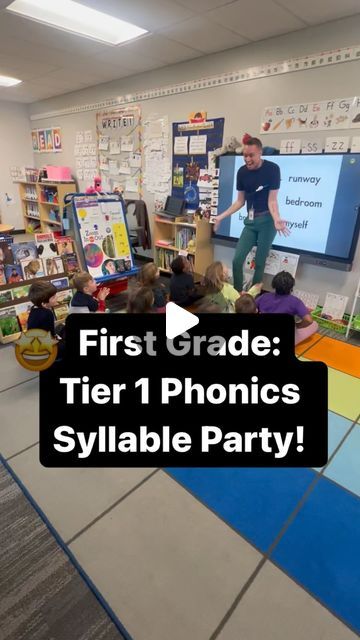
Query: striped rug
{"points": [[42, 594]]}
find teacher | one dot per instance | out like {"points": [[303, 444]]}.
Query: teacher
{"points": [[258, 183]]}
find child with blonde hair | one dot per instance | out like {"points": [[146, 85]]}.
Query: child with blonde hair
{"points": [[218, 288], [149, 276], [141, 300]]}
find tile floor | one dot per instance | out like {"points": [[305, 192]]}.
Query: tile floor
{"points": [[234, 554]]}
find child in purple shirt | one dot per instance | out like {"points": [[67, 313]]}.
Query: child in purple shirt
{"points": [[282, 301]]}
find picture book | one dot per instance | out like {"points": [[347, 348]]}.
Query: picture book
{"points": [[23, 311], [165, 243], [24, 251], [6, 256], [64, 297], [2, 274], [32, 268], [6, 296], [32, 226], [53, 266], [61, 312], [183, 237], [21, 292], [310, 300], [44, 237], [9, 324], [13, 273], [71, 264], [46, 245], [60, 283], [65, 245], [334, 306]]}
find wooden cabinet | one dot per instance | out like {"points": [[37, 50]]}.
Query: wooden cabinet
{"points": [[42, 204], [172, 237]]}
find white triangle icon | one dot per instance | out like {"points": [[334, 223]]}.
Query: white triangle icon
{"points": [[178, 320]]}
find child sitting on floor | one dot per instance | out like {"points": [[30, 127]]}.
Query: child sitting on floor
{"points": [[86, 286], [206, 306], [149, 277], [218, 289], [141, 300], [282, 301], [182, 287], [43, 296], [245, 304]]}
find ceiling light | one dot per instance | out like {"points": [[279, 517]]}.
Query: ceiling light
{"points": [[77, 18], [5, 81]]}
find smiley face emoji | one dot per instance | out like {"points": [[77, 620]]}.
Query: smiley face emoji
{"points": [[36, 350]]}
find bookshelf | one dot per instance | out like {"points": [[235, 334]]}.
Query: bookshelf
{"points": [[42, 204], [15, 282], [171, 237], [24, 301]]}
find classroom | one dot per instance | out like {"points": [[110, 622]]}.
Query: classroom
{"points": [[179, 320]]}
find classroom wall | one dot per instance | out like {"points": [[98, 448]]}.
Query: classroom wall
{"points": [[16, 150], [241, 104]]}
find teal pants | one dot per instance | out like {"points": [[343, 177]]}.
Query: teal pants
{"points": [[260, 233]]}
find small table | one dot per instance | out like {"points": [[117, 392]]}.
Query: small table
{"points": [[6, 228]]}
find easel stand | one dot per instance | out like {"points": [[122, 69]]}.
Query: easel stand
{"points": [[100, 227]]}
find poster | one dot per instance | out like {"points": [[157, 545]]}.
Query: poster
{"points": [[119, 145], [334, 306], [42, 140], [104, 237], [46, 140], [198, 144], [114, 147], [275, 262], [35, 140], [181, 145], [49, 140], [57, 139], [340, 113], [197, 140], [157, 163], [178, 176], [104, 143]]}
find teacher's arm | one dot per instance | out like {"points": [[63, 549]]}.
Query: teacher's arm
{"points": [[239, 202], [280, 225]]}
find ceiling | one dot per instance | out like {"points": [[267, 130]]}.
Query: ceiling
{"points": [[52, 62]]}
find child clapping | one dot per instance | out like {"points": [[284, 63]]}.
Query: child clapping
{"points": [[86, 286]]}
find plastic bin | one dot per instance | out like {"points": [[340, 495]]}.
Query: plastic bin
{"points": [[356, 322], [58, 173], [330, 324]]}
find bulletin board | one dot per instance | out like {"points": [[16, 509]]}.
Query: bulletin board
{"points": [[46, 140], [119, 150], [191, 147], [102, 235]]}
